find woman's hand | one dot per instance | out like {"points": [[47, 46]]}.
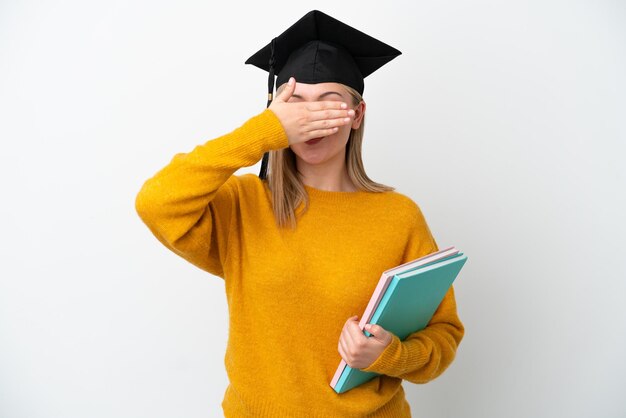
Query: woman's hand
{"points": [[359, 351], [307, 120]]}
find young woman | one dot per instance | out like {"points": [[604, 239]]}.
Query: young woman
{"points": [[300, 254]]}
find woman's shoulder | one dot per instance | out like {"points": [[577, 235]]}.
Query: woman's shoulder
{"points": [[249, 181], [238, 187], [404, 204], [247, 185], [402, 199]]}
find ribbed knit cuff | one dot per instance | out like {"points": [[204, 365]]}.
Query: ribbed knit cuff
{"points": [[397, 359], [389, 359], [273, 130], [245, 145]]}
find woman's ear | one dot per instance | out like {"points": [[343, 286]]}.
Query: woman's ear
{"points": [[359, 112]]}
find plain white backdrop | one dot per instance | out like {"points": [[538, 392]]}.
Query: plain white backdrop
{"points": [[504, 121]]}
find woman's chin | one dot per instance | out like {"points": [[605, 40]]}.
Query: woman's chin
{"points": [[312, 156], [316, 154], [313, 159]]}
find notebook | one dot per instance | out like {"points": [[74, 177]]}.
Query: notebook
{"points": [[404, 302]]}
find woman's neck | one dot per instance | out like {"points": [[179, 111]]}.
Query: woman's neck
{"points": [[331, 175]]}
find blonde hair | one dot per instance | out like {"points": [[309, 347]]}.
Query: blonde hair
{"points": [[287, 189]]}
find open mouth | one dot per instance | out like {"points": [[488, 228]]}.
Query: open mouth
{"points": [[314, 140]]}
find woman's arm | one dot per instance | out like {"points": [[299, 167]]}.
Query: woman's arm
{"points": [[426, 354], [190, 204]]}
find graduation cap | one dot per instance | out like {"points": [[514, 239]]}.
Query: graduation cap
{"points": [[318, 49]]}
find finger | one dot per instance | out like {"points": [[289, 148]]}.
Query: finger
{"points": [[346, 335], [377, 331], [330, 114], [343, 350], [319, 133], [285, 95], [355, 334], [348, 321], [345, 343], [325, 124], [326, 104], [345, 332]]}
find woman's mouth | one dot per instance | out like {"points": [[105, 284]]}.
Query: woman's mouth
{"points": [[314, 141]]}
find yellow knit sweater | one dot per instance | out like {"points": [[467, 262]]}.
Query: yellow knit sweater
{"points": [[290, 292]]}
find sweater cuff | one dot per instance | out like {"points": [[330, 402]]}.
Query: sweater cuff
{"points": [[275, 135], [397, 359], [388, 359]]}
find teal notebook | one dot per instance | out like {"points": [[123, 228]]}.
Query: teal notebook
{"points": [[407, 306]]}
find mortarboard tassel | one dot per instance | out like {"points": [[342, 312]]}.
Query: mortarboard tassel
{"points": [[270, 90]]}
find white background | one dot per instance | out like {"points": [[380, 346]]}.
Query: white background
{"points": [[503, 120]]}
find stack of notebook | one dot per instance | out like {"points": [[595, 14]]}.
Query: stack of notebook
{"points": [[404, 302]]}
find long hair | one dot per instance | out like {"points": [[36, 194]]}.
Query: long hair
{"points": [[288, 191]]}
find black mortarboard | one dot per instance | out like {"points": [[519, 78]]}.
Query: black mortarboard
{"points": [[318, 49]]}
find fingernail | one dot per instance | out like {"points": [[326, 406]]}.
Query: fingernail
{"points": [[343, 105], [290, 80]]}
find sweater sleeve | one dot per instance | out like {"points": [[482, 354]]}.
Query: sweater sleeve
{"points": [[425, 354], [190, 205]]}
